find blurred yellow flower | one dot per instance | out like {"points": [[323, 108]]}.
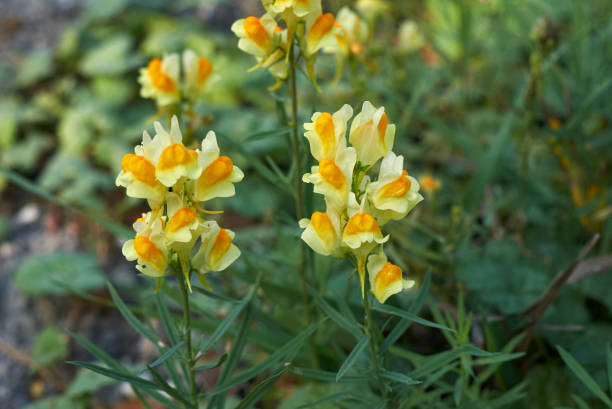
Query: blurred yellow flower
{"points": [[409, 37], [430, 184], [160, 80]]}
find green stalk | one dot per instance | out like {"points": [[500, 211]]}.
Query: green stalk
{"points": [[187, 338], [368, 323], [298, 175]]}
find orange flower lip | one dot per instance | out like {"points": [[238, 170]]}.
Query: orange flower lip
{"points": [[175, 155], [148, 251], [182, 218], [204, 70], [361, 223], [140, 167], [323, 226], [324, 127], [331, 173], [389, 274], [222, 243], [256, 32], [220, 169], [322, 26], [397, 188], [159, 79]]}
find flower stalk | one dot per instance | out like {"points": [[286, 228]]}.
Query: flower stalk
{"points": [[189, 359]]}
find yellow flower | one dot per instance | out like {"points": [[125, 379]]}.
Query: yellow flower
{"points": [[171, 158], [218, 172], [320, 33], [332, 177], [198, 73], [394, 193], [183, 221], [326, 133], [256, 35], [371, 134], [385, 278], [409, 37], [160, 79], [217, 251], [292, 9], [354, 30], [148, 247], [430, 184], [362, 233], [322, 232], [372, 8], [138, 177]]}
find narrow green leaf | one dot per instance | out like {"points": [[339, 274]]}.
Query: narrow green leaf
{"points": [[167, 354], [399, 377], [457, 391], [409, 316], [234, 356], [130, 317], [609, 360], [338, 318], [331, 398], [293, 345], [211, 294], [212, 365], [498, 359], [583, 375], [173, 337], [326, 376], [260, 390], [403, 325], [580, 402], [159, 380], [352, 358], [120, 376], [227, 322]]}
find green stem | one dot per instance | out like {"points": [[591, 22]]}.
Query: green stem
{"points": [[372, 342], [298, 175], [187, 338]]}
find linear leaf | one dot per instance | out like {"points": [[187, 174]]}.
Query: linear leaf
{"points": [[399, 377], [331, 398], [211, 365], [293, 345], [211, 294], [159, 380], [583, 375], [260, 390], [169, 352], [338, 318], [326, 376], [234, 356], [498, 359], [173, 337], [130, 317], [409, 316], [352, 358], [227, 322], [404, 323], [120, 376], [609, 360]]}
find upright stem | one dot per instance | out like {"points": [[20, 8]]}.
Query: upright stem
{"points": [[298, 174], [368, 323], [187, 338]]}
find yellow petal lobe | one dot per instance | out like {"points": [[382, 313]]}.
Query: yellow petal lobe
{"points": [[389, 274], [397, 188], [220, 247], [204, 70], [217, 171], [159, 79], [148, 251], [175, 155], [322, 26], [361, 223], [256, 32], [182, 218], [324, 127], [323, 226]]}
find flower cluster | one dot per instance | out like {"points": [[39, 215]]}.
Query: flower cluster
{"points": [[305, 21], [358, 207], [174, 180], [161, 79]]}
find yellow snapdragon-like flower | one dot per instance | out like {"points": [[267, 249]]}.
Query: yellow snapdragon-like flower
{"points": [[138, 176], [321, 31], [218, 172], [322, 232], [358, 208], [217, 250], [197, 73], [160, 80], [395, 193], [327, 132], [385, 278], [292, 9], [354, 31], [372, 8], [171, 158], [148, 247], [371, 134], [332, 177]]}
